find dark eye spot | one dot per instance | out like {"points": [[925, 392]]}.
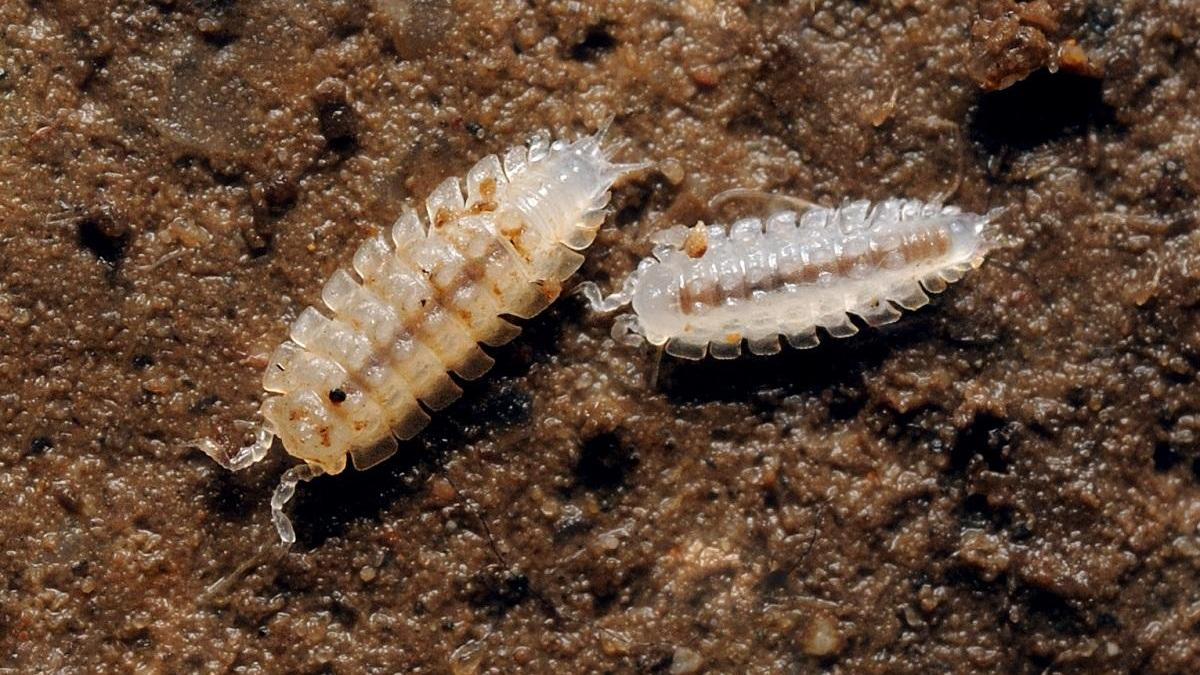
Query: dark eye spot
{"points": [[337, 395]]}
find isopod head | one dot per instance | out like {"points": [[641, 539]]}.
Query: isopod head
{"points": [[655, 303]]}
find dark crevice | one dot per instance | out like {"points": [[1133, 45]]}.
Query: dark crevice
{"points": [[604, 462], [1165, 458], [259, 236], [104, 238], [39, 445], [279, 195], [96, 69], [218, 22], [597, 42], [987, 437], [339, 125], [342, 612], [977, 513], [498, 589], [1054, 611], [1041, 108]]}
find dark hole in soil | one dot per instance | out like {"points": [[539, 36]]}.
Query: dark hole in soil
{"points": [[1165, 458], [339, 126], [280, 194], [499, 590], [342, 612], [604, 462], [978, 513], [596, 43], [987, 437], [1054, 610], [40, 445], [656, 659], [221, 21], [1041, 108], [104, 239], [259, 237]]}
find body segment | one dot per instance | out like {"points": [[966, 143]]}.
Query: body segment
{"points": [[706, 290], [370, 365]]}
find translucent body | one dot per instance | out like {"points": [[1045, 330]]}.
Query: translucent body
{"points": [[706, 290], [369, 366]]}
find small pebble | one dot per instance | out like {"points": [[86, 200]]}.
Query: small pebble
{"points": [[523, 655], [672, 170], [442, 492], [685, 661], [367, 574], [822, 636]]}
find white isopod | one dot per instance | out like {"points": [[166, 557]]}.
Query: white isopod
{"points": [[369, 367], [706, 290]]}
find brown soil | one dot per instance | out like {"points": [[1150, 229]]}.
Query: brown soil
{"points": [[1007, 480]]}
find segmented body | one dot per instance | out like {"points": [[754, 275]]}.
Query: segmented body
{"points": [[369, 366], [706, 290]]}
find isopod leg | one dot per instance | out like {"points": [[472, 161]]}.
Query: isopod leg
{"points": [[283, 494], [627, 331], [595, 299], [752, 194], [367, 457], [598, 303], [246, 456]]}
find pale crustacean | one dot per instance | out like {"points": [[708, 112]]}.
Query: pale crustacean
{"points": [[371, 365], [706, 290]]}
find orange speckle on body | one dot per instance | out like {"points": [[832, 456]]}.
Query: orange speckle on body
{"points": [[733, 338], [511, 228], [695, 244], [550, 288]]}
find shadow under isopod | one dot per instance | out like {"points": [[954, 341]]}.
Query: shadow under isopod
{"points": [[835, 362], [328, 507]]}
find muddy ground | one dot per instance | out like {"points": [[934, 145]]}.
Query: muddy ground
{"points": [[1006, 480]]}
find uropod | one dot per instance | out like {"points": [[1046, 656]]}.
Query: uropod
{"points": [[705, 290], [418, 300]]}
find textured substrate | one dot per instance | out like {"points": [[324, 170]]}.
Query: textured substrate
{"points": [[1006, 480]]}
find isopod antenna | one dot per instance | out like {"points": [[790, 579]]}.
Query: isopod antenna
{"points": [[246, 456]]}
